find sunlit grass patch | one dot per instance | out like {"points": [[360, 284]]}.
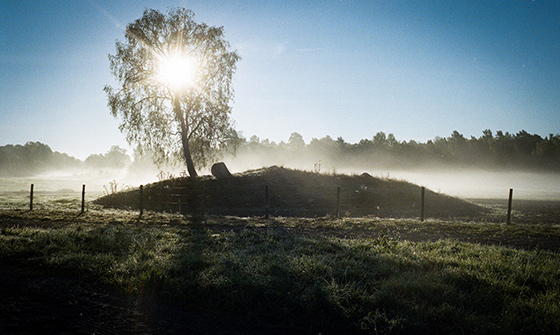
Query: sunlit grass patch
{"points": [[348, 275], [307, 282]]}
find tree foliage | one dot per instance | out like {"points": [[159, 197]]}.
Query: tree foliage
{"points": [[502, 151], [192, 123], [115, 158], [33, 158]]}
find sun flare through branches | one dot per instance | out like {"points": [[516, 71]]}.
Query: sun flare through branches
{"points": [[175, 93], [177, 71]]}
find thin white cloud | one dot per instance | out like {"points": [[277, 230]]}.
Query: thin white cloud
{"points": [[108, 15], [310, 49], [279, 49], [270, 49]]}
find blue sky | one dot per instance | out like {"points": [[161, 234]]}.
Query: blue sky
{"points": [[417, 69]]}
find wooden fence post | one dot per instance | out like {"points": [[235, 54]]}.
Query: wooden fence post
{"points": [[31, 198], [338, 201], [422, 203], [83, 197], [266, 203], [141, 201], [508, 220]]}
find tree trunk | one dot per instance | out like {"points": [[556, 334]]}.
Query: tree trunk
{"points": [[184, 138], [187, 153]]}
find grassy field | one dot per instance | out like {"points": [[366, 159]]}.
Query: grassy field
{"points": [[297, 275]]}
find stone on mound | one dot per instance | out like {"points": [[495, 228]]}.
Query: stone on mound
{"points": [[220, 170]]}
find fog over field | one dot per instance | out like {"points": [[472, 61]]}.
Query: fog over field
{"points": [[486, 184], [485, 167], [464, 183]]}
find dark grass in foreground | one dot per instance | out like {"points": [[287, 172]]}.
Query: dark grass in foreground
{"points": [[304, 275]]}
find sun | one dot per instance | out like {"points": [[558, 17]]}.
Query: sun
{"points": [[177, 71]]}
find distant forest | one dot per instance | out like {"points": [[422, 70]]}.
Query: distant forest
{"points": [[500, 151], [35, 158]]}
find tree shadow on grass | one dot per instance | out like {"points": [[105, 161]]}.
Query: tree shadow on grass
{"points": [[295, 283], [290, 283]]}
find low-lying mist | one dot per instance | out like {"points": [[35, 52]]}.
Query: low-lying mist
{"points": [[484, 167], [459, 182], [464, 183]]}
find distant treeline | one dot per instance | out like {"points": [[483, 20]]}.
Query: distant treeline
{"points": [[36, 158], [503, 151]]}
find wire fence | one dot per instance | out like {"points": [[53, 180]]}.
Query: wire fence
{"points": [[179, 199]]}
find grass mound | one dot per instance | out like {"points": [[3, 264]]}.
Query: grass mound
{"points": [[292, 193]]}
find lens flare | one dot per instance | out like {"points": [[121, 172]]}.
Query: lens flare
{"points": [[177, 71]]}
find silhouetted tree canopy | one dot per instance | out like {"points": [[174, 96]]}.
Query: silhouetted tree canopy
{"points": [[33, 158], [115, 158], [503, 151], [188, 123]]}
